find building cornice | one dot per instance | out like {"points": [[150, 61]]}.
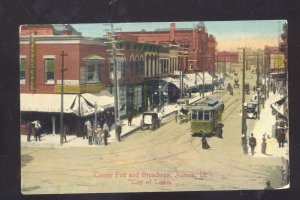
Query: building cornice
{"points": [[61, 40]]}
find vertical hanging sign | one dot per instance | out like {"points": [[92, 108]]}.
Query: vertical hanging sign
{"points": [[32, 64]]}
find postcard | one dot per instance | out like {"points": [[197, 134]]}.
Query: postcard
{"points": [[154, 107]]}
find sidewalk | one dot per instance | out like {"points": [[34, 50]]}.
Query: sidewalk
{"points": [[264, 125], [50, 140]]}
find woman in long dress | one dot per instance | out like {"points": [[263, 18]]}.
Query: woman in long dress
{"points": [[269, 147]]}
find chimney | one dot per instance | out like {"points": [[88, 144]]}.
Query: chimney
{"points": [[172, 31]]}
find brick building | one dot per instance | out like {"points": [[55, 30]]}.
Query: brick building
{"points": [[85, 75], [196, 46], [226, 62], [88, 75]]}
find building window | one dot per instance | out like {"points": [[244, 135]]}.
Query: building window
{"points": [[131, 66], [93, 71], [22, 71], [136, 65], [49, 70], [141, 66]]}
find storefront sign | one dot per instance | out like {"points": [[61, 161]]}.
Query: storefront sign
{"points": [[32, 65], [122, 101], [68, 82], [277, 61], [76, 89]]}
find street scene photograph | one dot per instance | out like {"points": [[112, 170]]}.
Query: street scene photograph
{"points": [[154, 107]]}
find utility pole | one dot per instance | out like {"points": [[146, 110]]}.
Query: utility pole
{"points": [[95, 123], [258, 88], [202, 60], [115, 72], [62, 97], [244, 125]]}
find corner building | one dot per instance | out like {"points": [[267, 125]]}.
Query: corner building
{"points": [[85, 76]]}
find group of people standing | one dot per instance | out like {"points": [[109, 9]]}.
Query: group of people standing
{"points": [[96, 135], [267, 146], [34, 128]]}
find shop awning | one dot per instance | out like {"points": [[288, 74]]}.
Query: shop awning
{"points": [[46, 102], [52, 103], [278, 105], [174, 81]]}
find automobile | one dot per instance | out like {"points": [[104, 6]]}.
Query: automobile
{"points": [[255, 97], [150, 120], [247, 88], [251, 110], [181, 103]]}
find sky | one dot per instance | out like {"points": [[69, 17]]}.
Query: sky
{"points": [[229, 35]]}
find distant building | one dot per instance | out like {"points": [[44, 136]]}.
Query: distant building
{"points": [[196, 46]]}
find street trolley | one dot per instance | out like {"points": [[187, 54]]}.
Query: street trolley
{"points": [[206, 116]]}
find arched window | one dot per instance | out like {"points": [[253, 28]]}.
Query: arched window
{"points": [[137, 66], [141, 65], [151, 65], [131, 65], [147, 65]]}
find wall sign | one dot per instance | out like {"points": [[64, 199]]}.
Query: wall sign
{"points": [[32, 65]]}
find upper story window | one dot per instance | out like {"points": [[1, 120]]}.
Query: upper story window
{"points": [[93, 71], [94, 68], [22, 70], [49, 70]]}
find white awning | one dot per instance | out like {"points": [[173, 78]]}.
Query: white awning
{"points": [[278, 104], [174, 81], [52, 103], [46, 102]]}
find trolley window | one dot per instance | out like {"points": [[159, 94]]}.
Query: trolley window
{"points": [[194, 115], [200, 115], [206, 115]]}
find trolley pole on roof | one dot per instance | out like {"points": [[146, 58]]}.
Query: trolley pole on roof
{"points": [[62, 97]]}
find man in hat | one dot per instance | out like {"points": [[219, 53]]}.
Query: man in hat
{"points": [[252, 143], [118, 131]]}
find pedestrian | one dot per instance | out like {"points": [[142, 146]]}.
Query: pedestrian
{"points": [[106, 132], [176, 116], [130, 119], [118, 131], [98, 137], [29, 131], [252, 143], [268, 186], [85, 129], [219, 130], [90, 134], [263, 144], [281, 138], [37, 131], [254, 88], [66, 130], [205, 145], [269, 147]]}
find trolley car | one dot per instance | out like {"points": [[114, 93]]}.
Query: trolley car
{"points": [[206, 116]]}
